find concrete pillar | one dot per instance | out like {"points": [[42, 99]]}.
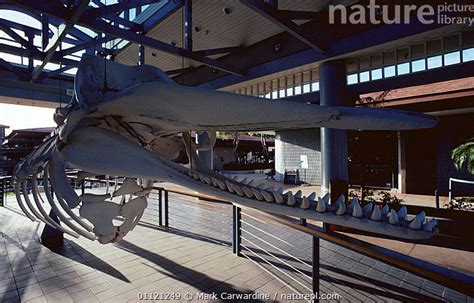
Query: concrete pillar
{"points": [[401, 163], [207, 157], [333, 92]]}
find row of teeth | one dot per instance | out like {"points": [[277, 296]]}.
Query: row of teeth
{"points": [[384, 214]]}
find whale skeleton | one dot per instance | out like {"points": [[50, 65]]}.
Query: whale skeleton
{"points": [[125, 121]]}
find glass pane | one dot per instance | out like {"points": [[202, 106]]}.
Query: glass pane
{"points": [[435, 62], [418, 65], [389, 71], [351, 79], [403, 68], [306, 88], [275, 95], [364, 77], [314, 86], [452, 58], [282, 93], [298, 90], [376, 74], [468, 55], [289, 91]]}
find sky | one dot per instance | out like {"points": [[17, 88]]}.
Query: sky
{"points": [[22, 116]]}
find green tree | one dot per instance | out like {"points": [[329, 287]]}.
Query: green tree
{"points": [[464, 155]]}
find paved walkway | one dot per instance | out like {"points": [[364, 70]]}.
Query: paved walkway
{"points": [[194, 255]]}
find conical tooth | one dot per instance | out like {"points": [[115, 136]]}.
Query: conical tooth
{"points": [[376, 214], [260, 185], [205, 179], [279, 190], [385, 209], [305, 203], [402, 213], [393, 217], [196, 176], [243, 181], [341, 209], [340, 200], [268, 197], [234, 178], [189, 173], [312, 196], [219, 183], [248, 193], [326, 198], [290, 199], [367, 209], [278, 197], [356, 209], [321, 207], [250, 182], [257, 194], [238, 190], [427, 226], [418, 221], [298, 194], [351, 206], [230, 188]]}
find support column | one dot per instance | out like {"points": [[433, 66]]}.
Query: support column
{"points": [[333, 92], [206, 156], [401, 163]]}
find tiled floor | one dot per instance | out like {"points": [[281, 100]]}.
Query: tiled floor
{"points": [[193, 255]]}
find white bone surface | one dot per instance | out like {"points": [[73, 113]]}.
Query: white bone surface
{"points": [[131, 131]]}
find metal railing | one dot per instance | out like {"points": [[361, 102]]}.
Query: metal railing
{"points": [[438, 274], [451, 180]]}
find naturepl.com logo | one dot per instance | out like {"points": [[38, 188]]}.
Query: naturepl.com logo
{"points": [[373, 13]]}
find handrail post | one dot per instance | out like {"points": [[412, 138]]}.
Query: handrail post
{"points": [[315, 271], [450, 190], [236, 230], [437, 197], [160, 206], [166, 208], [3, 192]]}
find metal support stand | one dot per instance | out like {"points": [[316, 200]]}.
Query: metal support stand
{"points": [[160, 207], [3, 192], [51, 237], [236, 232], [315, 273], [166, 209], [163, 213]]}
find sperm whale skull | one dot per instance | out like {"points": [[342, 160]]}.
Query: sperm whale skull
{"points": [[136, 122]]}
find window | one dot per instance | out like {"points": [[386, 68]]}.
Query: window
{"points": [[306, 88], [389, 71], [282, 93], [352, 79], [376, 74], [364, 77], [403, 68], [289, 91], [314, 86], [434, 62], [275, 94], [418, 65], [468, 55], [452, 58], [298, 90]]}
